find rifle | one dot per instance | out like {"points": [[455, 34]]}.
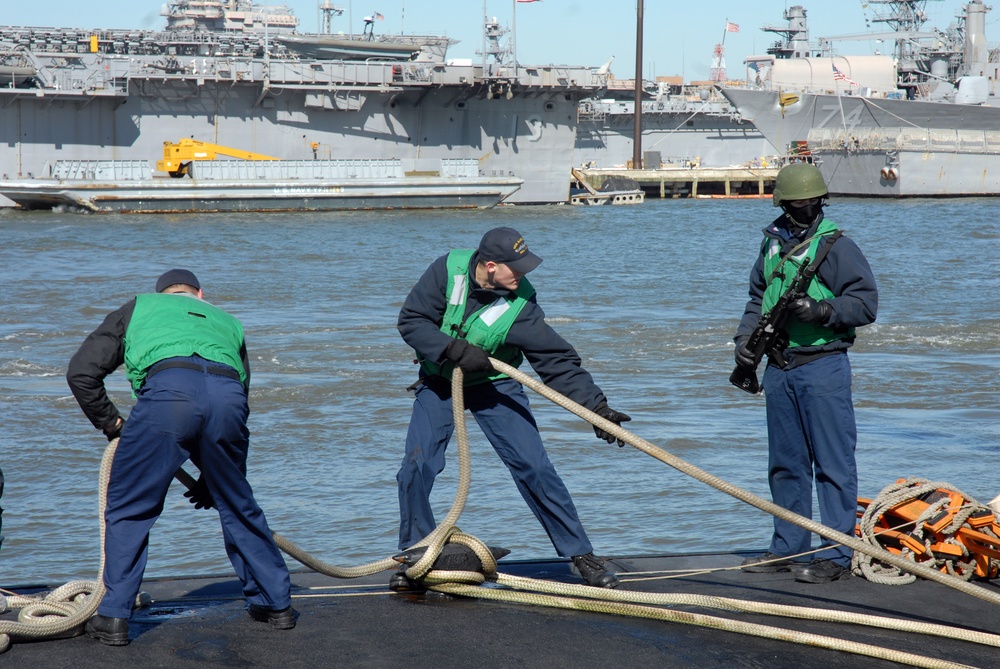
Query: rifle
{"points": [[769, 337]]}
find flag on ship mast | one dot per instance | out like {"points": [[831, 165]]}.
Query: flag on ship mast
{"points": [[379, 17], [529, 0], [840, 76], [730, 26]]}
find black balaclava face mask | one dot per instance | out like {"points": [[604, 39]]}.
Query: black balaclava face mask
{"points": [[801, 218]]}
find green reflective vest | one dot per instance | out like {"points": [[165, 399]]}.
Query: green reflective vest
{"points": [[172, 325], [780, 272], [487, 328]]}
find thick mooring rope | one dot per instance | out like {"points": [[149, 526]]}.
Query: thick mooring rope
{"points": [[63, 611], [893, 495], [743, 495]]}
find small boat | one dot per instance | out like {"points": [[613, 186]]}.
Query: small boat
{"points": [[129, 186]]}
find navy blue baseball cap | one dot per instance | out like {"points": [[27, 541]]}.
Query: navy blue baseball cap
{"points": [[507, 246], [175, 276]]}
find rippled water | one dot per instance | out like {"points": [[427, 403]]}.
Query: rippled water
{"points": [[649, 295]]}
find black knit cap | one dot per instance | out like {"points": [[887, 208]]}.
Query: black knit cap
{"points": [[175, 276], [507, 246]]}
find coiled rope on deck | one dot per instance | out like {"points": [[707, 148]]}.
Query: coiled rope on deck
{"points": [[63, 610], [961, 566]]}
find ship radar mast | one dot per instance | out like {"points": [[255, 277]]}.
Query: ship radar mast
{"points": [[924, 58], [795, 42], [327, 13]]}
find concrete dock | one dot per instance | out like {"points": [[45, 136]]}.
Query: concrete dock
{"points": [[695, 182]]}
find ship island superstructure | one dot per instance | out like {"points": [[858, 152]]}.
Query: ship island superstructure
{"points": [[112, 94], [924, 121]]}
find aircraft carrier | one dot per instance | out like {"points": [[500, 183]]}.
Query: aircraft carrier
{"points": [[217, 73]]}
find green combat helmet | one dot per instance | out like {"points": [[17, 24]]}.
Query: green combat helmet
{"points": [[798, 181]]}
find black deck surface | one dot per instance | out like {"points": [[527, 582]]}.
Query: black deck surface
{"points": [[201, 622]]}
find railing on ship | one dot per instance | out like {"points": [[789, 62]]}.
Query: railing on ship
{"points": [[103, 75]]}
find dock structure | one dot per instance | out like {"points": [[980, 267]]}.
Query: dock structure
{"points": [[695, 182]]}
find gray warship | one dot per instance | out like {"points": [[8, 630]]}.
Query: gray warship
{"points": [[924, 122], [682, 125], [219, 73]]}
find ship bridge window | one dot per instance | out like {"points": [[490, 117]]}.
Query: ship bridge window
{"points": [[690, 123]]}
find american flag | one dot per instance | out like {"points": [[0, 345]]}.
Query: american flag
{"points": [[840, 76], [732, 27], [379, 17]]}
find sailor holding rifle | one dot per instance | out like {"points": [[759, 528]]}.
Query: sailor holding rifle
{"points": [[823, 284]]}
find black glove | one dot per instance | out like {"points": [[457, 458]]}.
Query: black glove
{"points": [[115, 431], [744, 356], [808, 310], [616, 417], [469, 358], [199, 495]]}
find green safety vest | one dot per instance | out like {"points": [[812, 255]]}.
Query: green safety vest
{"points": [[172, 325], [780, 272], [486, 328]]}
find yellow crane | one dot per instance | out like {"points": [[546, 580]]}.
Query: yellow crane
{"points": [[177, 156]]}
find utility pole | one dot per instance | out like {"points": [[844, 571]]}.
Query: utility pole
{"points": [[637, 133]]}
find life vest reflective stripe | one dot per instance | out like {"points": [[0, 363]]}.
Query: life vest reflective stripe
{"points": [[486, 328]]}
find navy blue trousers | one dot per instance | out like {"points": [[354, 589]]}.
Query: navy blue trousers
{"points": [[186, 414], [502, 412], [811, 431]]}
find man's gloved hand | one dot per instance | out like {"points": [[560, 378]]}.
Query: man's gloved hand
{"points": [[744, 357], [470, 359], [116, 431], [199, 495], [808, 310], [616, 417]]}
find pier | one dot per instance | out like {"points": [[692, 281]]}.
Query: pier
{"points": [[695, 182]]}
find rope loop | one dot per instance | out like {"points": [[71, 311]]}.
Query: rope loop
{"points": [[930, 523]]}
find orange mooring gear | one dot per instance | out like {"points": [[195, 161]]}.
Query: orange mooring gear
{"points": [[933, 522]]}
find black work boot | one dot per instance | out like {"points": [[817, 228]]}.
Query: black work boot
{"points": [[768, 563], [821, 571], [281, 619], [109, 631], [594, 572]]}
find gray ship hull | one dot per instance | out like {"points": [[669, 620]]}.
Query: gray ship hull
{"points": [[684, 133], [884, 147], [785, 124], [518, 123], [896, 162]]}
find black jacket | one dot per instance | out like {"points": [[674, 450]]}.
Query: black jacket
{"points": [[553, 359]]}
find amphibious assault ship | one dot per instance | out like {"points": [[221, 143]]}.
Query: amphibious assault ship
{"points": [[99, 94], [924, 122]]}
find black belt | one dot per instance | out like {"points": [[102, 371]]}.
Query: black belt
{"points": [[218, 370]]}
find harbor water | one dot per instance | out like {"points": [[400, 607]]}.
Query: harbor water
{"points": [[649, 295]]}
